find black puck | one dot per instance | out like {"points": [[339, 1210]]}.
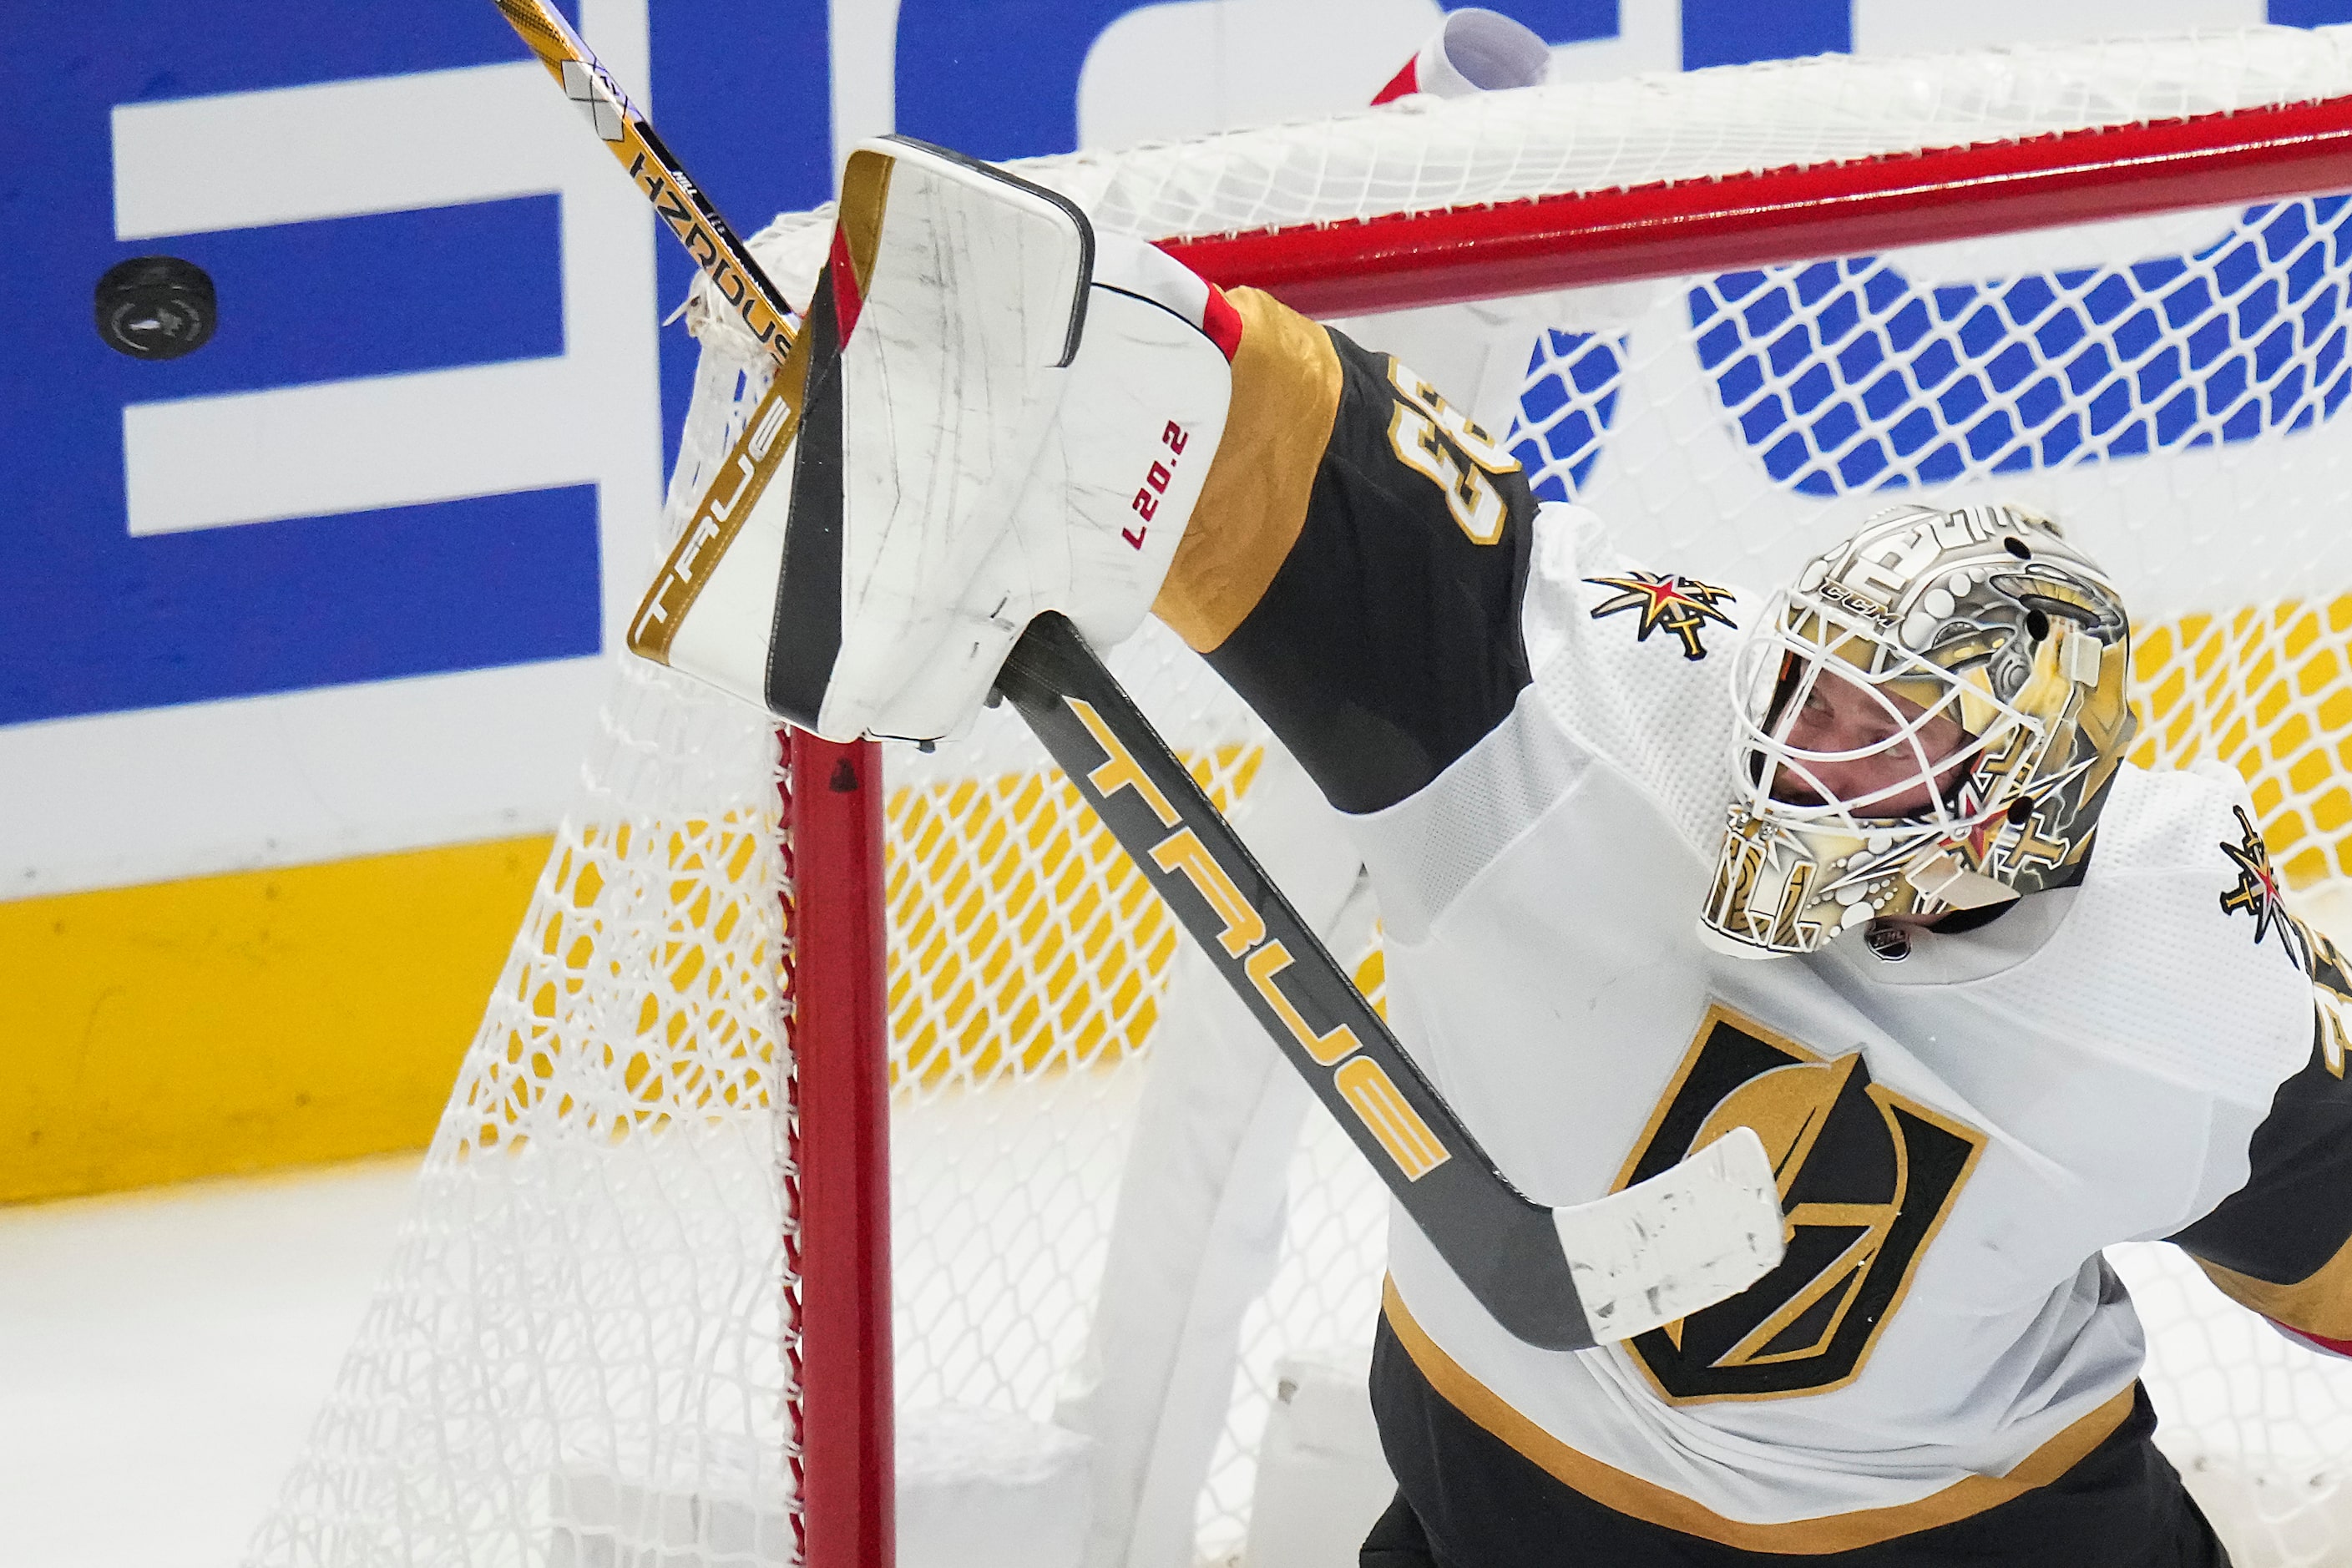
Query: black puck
{"points": [[156, 306]]}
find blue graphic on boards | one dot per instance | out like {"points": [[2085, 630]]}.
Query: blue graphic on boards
{"points": [[1735, 32], [999, 79], [382, 294], [101, 621], [2307, 12]]}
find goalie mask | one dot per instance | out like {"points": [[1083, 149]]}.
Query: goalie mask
{"points": [[1927, 720]]}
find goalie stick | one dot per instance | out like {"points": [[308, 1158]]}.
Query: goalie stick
{"points": [[1564, 1278], [738, 278], [1560, 1278]]}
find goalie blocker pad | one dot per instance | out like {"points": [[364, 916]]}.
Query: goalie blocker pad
{"points": [[998, 413]]}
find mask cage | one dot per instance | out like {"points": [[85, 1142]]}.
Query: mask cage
{"points": [[1893, 697]]}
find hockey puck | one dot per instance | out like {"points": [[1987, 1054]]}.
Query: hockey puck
{"points": [[156, 306]]}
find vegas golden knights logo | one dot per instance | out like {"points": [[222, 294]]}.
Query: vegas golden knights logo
{"points": [[1683, 605], [1866, 1178]]}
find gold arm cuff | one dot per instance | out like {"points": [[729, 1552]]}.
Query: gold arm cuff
{"points": [[1253, 502], [2321, 1305]]}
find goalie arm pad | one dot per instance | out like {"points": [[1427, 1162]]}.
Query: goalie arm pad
{"points": [[2282, 1244], [1355, 563]]}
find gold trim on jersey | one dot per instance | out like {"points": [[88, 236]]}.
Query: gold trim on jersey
{"points": [[1669, 1509], [2320, 1305], [1867, 1179], [1253, 505]]}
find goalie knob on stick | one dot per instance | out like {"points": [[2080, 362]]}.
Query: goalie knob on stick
{"points": [[1473, 51]]}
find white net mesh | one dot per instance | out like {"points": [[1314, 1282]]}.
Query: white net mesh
{"points": [[2169, 389], [583, 1352], [591, 1286]]}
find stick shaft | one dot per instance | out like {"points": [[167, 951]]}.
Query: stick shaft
{"points": [[631, 138], [758, 453], [1502, 1245]]}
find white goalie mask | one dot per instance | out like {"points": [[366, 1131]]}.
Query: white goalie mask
{"points": [[1927, 720]]}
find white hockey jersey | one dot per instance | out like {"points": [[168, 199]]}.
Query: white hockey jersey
{"points": [[1975, 1119], [1531, 734]]}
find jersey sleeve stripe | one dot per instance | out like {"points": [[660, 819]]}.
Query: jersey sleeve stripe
{"points": [[1286, 397], [2319, 1306]]}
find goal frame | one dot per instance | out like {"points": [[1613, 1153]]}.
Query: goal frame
{"points": [[835, 990]]}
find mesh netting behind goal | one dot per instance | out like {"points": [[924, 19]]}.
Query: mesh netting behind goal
{"points": [[1119, 1233]]}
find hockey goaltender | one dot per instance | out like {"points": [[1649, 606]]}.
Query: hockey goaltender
{"points": [[1883, 891]]}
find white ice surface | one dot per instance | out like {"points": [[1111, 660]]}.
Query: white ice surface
{"points": [[161, 1355]]}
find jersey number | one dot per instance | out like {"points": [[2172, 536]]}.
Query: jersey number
{"points": [[1431, 437]]}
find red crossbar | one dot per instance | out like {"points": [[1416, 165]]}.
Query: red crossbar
{"points": [[1795, 213]]}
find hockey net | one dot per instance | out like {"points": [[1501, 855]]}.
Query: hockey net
{"points": [[1120, 1261]]}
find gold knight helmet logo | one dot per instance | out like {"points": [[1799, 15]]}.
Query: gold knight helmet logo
{"points": [[1866, 1177]]}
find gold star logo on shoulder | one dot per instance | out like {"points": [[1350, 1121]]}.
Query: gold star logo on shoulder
{"points": [[2257, 892], [1681, 604]]}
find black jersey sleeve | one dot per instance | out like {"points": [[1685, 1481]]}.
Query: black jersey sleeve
{"points": [[2282, 1244], [1355, 566]]}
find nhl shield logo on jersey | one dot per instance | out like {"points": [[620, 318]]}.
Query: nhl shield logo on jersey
{"points": [[1679, 603], [1866, 1179]]}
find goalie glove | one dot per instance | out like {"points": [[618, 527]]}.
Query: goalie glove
{"points": [[998, 413]]}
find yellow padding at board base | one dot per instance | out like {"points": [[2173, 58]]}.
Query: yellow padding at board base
{"points": [[247, 1022]]}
